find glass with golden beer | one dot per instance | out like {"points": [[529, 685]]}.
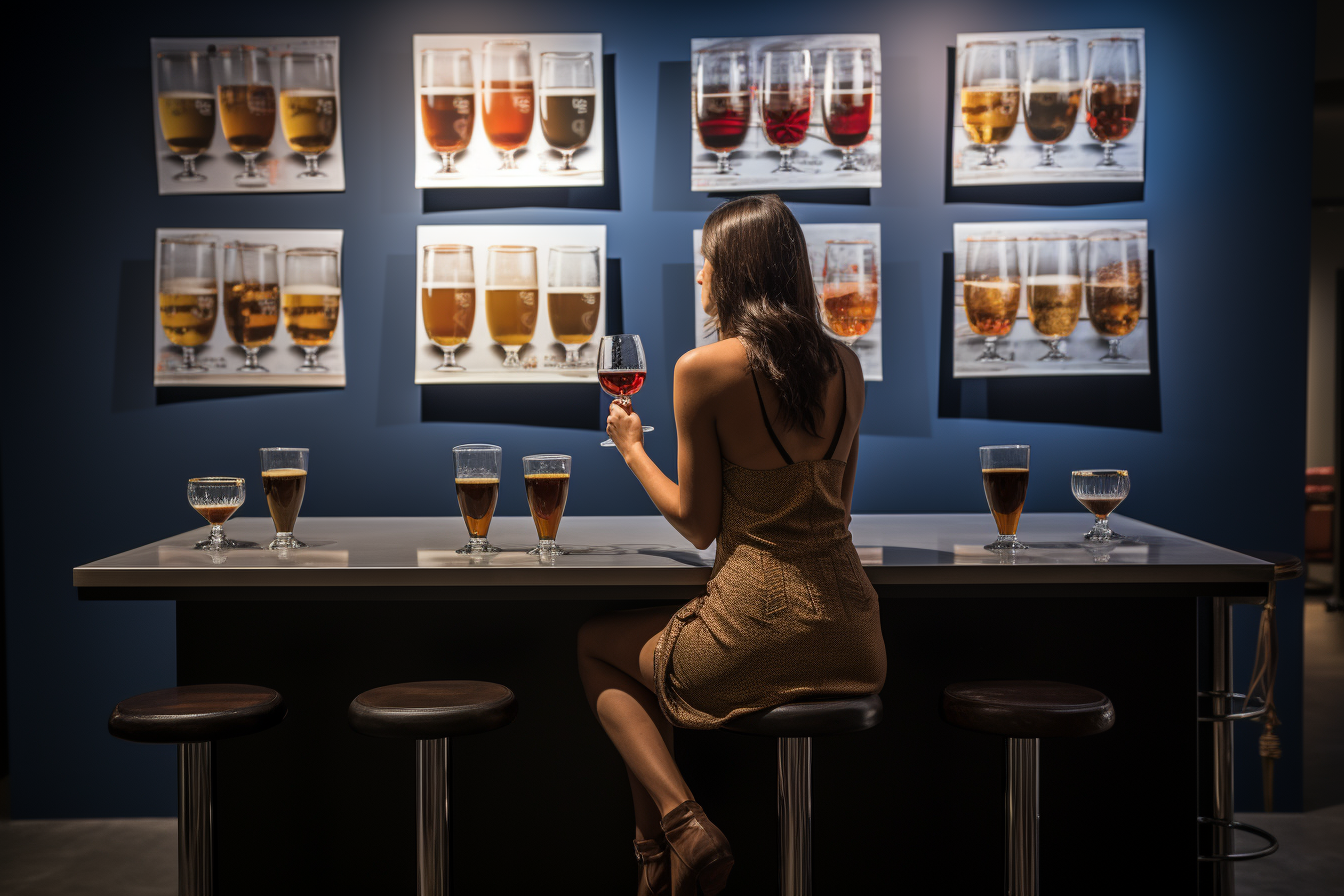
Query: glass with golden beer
{"points": [[1052, 90], [511, 298], [721, 97], [448, 299], [1054, 287], [1114, 86], [992, 290], [186, 108], [251, 298], [849, 288], [188, 294], [246, 106], [546, 478], [507, 97], [476, 480], [1114, 287], [312, 301], [308, 105], [568, 103], [786, 99], [990, 95], [847, 101], [284, 479], [447, 103], [573, 297]]}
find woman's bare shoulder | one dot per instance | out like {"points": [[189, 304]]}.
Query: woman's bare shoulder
{"points": [[715, 365]]}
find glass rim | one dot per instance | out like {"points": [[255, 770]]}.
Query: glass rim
{"points": [[730, 49], [991, 43], [992, 237], [575, 248], [988, 447], [1112, 40], [236, 480], [568, 54], [241, 244], [242, 50], [477, 446], [1100, 235], [1052, 39], [830, 50], [303, 54], [1099, 472], [506, 42], [314, 251], [428, 50], [1052, 235], [513, 250], [282, 449], [547, 457], [620, 335], [448, 247]]}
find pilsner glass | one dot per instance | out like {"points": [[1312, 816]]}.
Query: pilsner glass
{"points": [[447, 103], [312, 301], [990, 95], [847, 100], [246, 106], [217, 498], [507, 97], [308, 105], [992, 290], [1114, 287], [849, 288], [511, 298], [721, 96], [476, 480], [448, 299], [573, 297], [1005, 469], [188, 294], [546, 478], [786, 100], [568, 103], [1052, 89], [251, 298], [1054, 288], [284, 478], [1101, 491], [621, 369], [186, 108], [1114, 84]]}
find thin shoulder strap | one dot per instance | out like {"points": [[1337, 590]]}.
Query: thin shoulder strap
{"points": [[766, 417], [844, 406]]}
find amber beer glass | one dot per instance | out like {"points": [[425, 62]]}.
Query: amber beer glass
{"points": [[1005, 469], [721, 97], [312, 301], [1054, 287], [1114, 287], [990, 95], [573, 297], [568, 103], [1101, 492], [284, 478], [251, 298], [786, 100], [246, 106], [447, 103], [992, 291], [217, 498], [849, 288], [1051, 92], [507, 97], [188, 294], [546, 478], [186, 108], [448, 299], [308, 105], [511, 298], [1114, 87], [848, 97], [476, 479]]}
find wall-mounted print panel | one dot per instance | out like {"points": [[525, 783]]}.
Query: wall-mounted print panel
{"points": [[509, 303], [247, 115], [792, 112], [508, 110], [1034, 107], [1050, 298], [846, 261], [248, 307]]}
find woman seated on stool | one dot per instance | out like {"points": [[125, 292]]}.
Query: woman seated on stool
{"points": [[789, 614]]}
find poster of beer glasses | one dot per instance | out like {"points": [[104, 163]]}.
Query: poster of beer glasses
{"points": [[1033, 107], [247, 114], [791, 112], [248, 307], [509, 303], [1050, 298], [477, 97], [846, 261]]}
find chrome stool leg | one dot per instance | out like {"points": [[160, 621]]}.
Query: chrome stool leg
{"points": [[1222, 803], [795, 816], [433, 774], [1021, 802], [195, 820]]}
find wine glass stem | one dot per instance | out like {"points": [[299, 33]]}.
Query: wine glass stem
{"points": [[188, 357], [447, 163], [1047, 154], [250, 164], [723, 163], [568, 163], [310, 356], [508, 160], [189, 167], [217, 536], [312, 167]]}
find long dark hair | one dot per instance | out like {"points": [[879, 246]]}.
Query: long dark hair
{"points": [[761, 291]]}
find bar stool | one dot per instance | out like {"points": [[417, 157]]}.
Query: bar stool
{"points": [[194, 717], [430, 712], [795, 724], [1024, 712]]}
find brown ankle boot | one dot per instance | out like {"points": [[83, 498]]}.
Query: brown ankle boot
{"points": [[655, 868], [701, 856]]}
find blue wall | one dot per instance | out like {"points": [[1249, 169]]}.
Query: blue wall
{"points": [[1226, 198]]}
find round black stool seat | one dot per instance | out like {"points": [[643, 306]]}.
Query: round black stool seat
{"points": [[1286, 566], [195, 713], [1028, 708], [811, 717], [427, 710]]}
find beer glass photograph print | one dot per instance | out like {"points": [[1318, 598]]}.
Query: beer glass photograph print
{"points": [[509, 303], [1031, 107], [846, 261], [248, 307], [508, 110], [1050, 298], [791, 112], [247, 115]]}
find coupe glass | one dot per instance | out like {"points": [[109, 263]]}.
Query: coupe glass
{"points": [[721, 95], [847, 101], [1114, 287], [507, 97], [308, 105], [251, 298], [1052, 89], [1054, 287], [573, 298], [992, 291], [1114, 85], [1101, 491], [1005, 469], [246, 106], [188, 294], [568, 104], [186, 108], [990, 95], [217, 498], [849, 288], [785, 100], [312, 301], [448, 299], [621, 369], [476, 479], [447, 103], [284, 478], [546, 478], [511, 298]]}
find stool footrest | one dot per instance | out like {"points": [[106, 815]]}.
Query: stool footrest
{"points": [[1257, 704], [1270, 839]]}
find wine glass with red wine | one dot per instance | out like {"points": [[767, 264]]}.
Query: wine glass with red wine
{"points": [[621, 369]]}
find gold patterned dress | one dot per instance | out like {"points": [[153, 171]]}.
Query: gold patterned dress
{"points": [[789, 614]]}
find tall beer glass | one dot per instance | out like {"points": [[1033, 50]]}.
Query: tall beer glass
{"points": [[721, 96], [447, 103], [217, 498], [251, 298], [546, 478], [186, 108], [1054, 286], [992, 291], [1114, 287], [1052, 90], [990, 95], [188, 294], [476, 480], [308, 105], [284, 478], [1004, 469], [847, 100], [1114, 84], [786, 100], [507, 97], [312, 301], [573, 297], [511, 298], [568, 103], [849, 288], [246, 106], [448, 299]]}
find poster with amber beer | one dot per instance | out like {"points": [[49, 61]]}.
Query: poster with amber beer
{"points": [[788, 112], [1050, 298], [248, 307], [508, 110], [846, 262], [509, 303], [1032, 107], [247, 114]]}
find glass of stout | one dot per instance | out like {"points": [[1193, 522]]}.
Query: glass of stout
{"points": [[1052, 90], [1005, 469], [1101, 491], [546, 478], [284, 477], [568, 103], [621, 369], [476, 478], [216, 498]]}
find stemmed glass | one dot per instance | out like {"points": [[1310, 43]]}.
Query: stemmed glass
{"points": [[188, 294], [284, 478], [721, 94], [308, 105], [1114, 287], [447, 103], [251, 298], [1054, 288], [568, 103], [573, 297], [312, 301], [511, 298], [990, 95], [847, 100], [621, 369], [186, 108], [546, 479], [1114, 85], [992, 291], [476, 479], [1101, 491], [507, 97], [448, 299], [1051, 92], [786, 100], [246, 107], [217, 498], [1005, 469], [849, 288]]}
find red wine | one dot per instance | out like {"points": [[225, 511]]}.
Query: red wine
{"points": [[621, 382], [848, 117], [784, 116]]}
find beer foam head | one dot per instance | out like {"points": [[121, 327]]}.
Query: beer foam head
{"points": [[311, 289], [189, 286], [185, 95], [995, 84], [1046, 85], [309, 92], [447, 91], [284, 471], [992, 284], [439, 284], [1054, 280]]}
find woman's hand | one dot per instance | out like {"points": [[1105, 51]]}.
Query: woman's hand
{"points": [[624, 428]]}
